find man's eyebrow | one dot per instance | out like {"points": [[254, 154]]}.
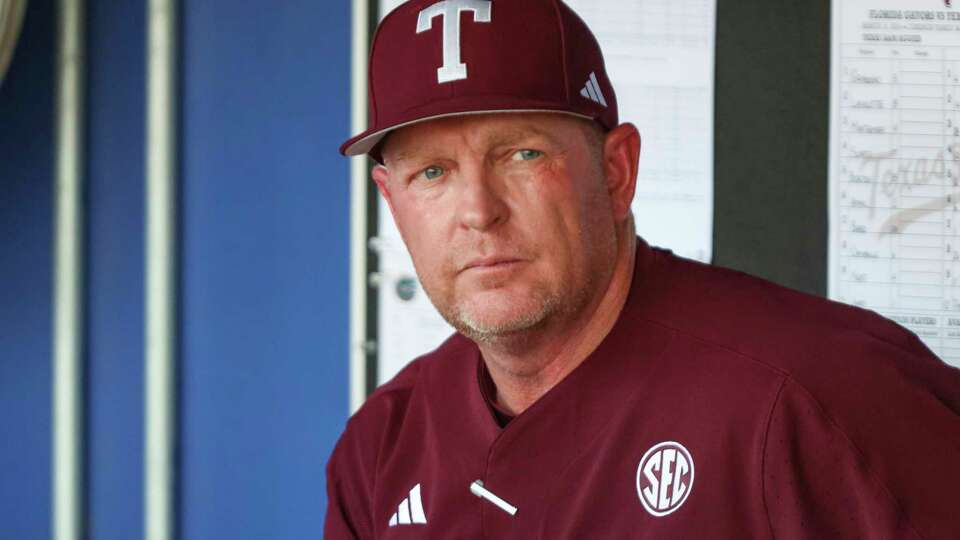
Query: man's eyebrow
{"points": [[494, 139], [520, 133], [417, 154]]}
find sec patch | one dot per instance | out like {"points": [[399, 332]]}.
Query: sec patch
{"points": [[665, 478]]}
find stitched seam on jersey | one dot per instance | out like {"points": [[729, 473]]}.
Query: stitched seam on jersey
{"points": [[337, 484], [859, 454], [754, 359], [912, 337], [752, 284], [370, 518], [715, 344], [583, 449], [763, 455]]}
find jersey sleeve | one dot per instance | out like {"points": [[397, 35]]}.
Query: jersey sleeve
{"points": [[352, 468], [348, 497], [822, 482], [338, 524]]}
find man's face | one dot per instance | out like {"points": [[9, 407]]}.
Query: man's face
{"points": [[507, 217]]}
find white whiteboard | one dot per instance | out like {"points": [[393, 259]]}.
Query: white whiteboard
{"points": [[895, 164], [660, 58]]}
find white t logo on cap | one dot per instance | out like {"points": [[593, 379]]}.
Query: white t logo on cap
{"points": [[453, 69]]}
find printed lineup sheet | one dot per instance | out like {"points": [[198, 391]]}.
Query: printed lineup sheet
{"points": [[660, 57], [895, 164]]}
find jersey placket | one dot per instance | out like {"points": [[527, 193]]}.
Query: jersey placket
{"points": [[536, 449]]}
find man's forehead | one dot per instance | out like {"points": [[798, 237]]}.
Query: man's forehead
{"points": [[483, 130]]}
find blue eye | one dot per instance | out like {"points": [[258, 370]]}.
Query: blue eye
{"points": [[526, 155], [432, 173]]}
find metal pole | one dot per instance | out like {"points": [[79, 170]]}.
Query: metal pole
{"points": [[358, 210], [161, 272], [68, 308]]}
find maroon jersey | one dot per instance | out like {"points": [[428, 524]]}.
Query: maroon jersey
{"points": [[719, 406]]}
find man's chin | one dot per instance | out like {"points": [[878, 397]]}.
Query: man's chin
{"points": [[493, 324], [494, 332]]}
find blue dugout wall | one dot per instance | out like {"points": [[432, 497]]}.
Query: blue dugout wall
{"points": [[264, 101], [115, 248], [265, 225], [26, 259]]}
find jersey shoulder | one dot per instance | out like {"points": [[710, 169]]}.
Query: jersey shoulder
{"points": [[806, 337], [383, 414], [855, 386], [391, 400], [702, 296]]}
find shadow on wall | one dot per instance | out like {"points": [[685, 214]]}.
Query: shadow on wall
{"points": [[26, 194]]}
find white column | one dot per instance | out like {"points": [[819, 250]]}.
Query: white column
{"points": [[359, 184], [68, 399], [161, 271]]}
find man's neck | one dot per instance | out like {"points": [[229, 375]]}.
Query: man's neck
{"points": [[524, 372]]}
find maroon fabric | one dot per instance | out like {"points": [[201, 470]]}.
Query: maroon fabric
{"points": [[804, 418], [533, 54]]}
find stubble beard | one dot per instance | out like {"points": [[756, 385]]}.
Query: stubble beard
{"points": [[547, 306]]}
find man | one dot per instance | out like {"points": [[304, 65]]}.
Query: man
{"points": [[598, 387]]}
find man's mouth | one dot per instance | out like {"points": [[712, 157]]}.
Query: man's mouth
{"points": [[491, 263]]}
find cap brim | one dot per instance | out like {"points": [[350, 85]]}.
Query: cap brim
{"points": [[368, 140]]}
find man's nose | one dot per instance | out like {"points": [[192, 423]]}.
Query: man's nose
{"points": [[481, 205]]}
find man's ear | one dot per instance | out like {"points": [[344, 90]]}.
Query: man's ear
{"points": [[621, 158], [382, 178]]}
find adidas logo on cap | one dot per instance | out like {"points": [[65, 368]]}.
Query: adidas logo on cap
{"points": [[592, 90]]}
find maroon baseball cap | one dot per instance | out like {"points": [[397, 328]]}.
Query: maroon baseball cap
{"points": [[438, 58]]}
